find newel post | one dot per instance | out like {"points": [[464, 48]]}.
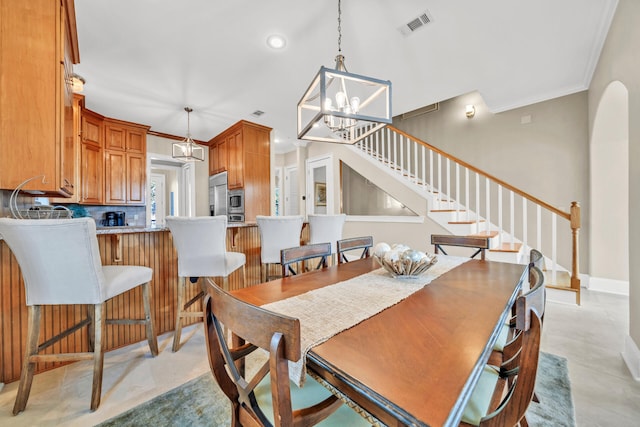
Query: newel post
{"points": [[575, 227]]}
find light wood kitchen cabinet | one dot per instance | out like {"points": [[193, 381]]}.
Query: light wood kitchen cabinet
{"points": [[213, 159], [39, 48], [218, 157], [92, 176], [125, 163], [91, 158], [243, 150], [235, 165]]}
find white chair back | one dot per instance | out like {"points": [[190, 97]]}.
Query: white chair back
{"points": [[59, 259], [326, 228], [277, 233], [201, 243]]}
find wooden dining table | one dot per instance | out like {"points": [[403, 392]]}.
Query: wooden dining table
{"points": [[416, 362]]}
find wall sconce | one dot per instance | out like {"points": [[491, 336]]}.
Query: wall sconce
{"points": [[470, 111]]}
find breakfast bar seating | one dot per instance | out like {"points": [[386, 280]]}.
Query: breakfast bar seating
{"points": [[60, 263], [201, 246], [277, 233]]}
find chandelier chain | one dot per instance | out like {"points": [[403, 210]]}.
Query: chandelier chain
{"points": [[339, 27]]}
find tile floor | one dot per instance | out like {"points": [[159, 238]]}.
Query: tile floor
{"points": [[590, 336]]}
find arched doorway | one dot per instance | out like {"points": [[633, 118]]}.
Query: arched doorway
{"points": [[609, 180]]}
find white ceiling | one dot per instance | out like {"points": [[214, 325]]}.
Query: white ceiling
{"points": [[145, 60]]}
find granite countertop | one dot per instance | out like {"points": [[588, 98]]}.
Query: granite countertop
{"points": [[140, 229]]}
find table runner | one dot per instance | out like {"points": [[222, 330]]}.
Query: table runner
{"points": [[327, 311]]}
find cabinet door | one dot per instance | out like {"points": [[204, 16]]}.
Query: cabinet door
{"points": [[115, 137], [136, 141], [236, 161], [213, 159], [115, 177], [223, 155], [91, 177], [136, 178], [91, 128], [30, 88]]}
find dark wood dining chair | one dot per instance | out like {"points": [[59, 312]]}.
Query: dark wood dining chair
{"points": [[503, 394], [480, 243], [299, 254], [501, 350], [353, 244], [267, 397]]}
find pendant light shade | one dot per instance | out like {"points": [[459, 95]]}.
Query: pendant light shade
{"points": [[187, 149], [343, 107]]}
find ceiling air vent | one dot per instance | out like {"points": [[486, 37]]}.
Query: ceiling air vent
{"points": [[257, 113], [415, 24]]}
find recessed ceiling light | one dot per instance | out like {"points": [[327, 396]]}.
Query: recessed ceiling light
{"points": [[276, 41]]}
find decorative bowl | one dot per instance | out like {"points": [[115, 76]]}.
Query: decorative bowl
{"points": [[403, 262]]}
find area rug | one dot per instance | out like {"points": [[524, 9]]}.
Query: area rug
{"points": [[201, 403]]}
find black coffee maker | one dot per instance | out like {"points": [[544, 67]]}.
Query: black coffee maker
{"points": [[114, 219]]}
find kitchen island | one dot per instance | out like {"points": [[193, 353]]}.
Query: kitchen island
{"points": [[150, 247]]}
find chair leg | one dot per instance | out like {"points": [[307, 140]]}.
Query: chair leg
{"points": [[244, 276], [180, 308], [90, 332], [149, 326], [28, 367], [98, 356], [225, 283]]}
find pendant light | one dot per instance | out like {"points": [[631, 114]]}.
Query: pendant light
{"points": [[343, 107], [187, 149]]}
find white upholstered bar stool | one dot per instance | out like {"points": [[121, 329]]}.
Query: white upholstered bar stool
{"points": [[201, 243], [277, 233], [60, 264], [326, 228]]}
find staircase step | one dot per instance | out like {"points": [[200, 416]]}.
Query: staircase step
{"points": [[446, 210], [466, 222], [507, 247], [489, 234]]}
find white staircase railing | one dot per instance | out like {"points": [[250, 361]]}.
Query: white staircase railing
{"points": [[473, 196]]}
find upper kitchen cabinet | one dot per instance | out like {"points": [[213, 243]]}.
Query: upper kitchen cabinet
{"points": [[39, 48], [91, 158], [243, 150], [125, 162]]}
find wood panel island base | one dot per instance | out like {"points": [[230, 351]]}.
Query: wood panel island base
{"points": [[118, 246]]}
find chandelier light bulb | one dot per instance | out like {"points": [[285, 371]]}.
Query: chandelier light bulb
{"points": [[355, 104], [341, 99]]}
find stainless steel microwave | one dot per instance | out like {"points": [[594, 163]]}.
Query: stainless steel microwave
{"points": [[235, 203]]}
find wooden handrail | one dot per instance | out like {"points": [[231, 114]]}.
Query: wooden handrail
{"points": [[504, 184], [573, 216]]}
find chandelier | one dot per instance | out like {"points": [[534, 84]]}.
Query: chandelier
{"points": [[343, 107], [187, 149]]}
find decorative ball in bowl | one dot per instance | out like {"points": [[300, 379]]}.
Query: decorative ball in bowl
{"points": [[401, 261]]}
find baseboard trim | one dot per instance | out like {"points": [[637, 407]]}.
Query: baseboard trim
{"points": [[611, 286], [631, 356]]}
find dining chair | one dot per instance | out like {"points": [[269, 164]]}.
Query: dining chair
{"points": [[299, 254], [326, 228], [60, 264], [502, 395], [353, 244], [264, 395], [201, 243], [476, 242], [509, 330], [276, 233]]}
